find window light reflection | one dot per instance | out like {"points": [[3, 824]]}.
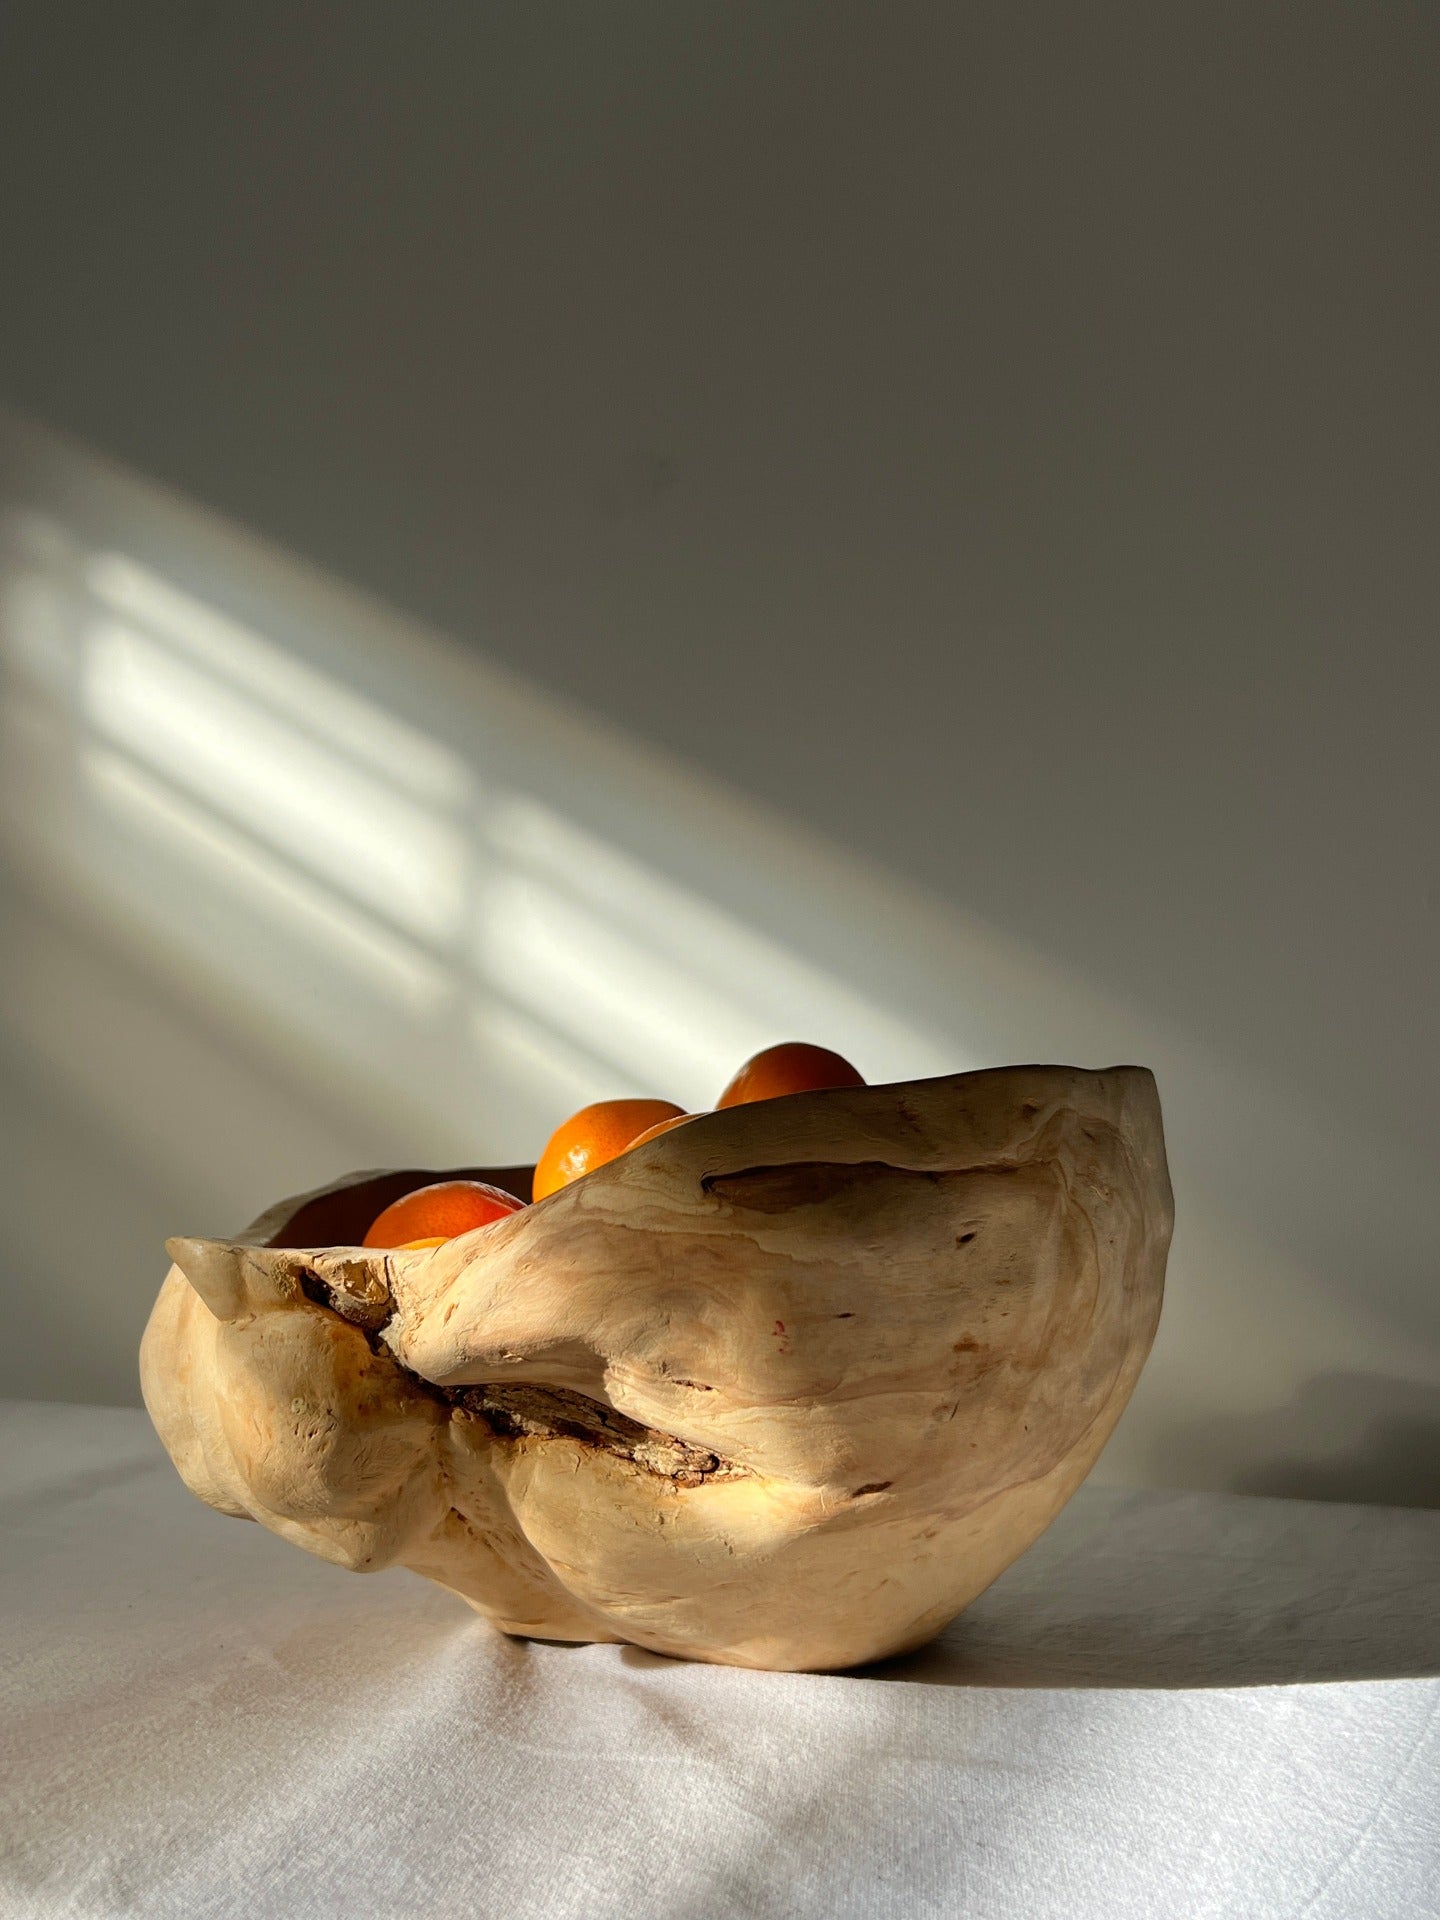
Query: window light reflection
{"points": [[561, 959], [757, 990], [208, 854], [346, 882], [358, 727], [349, 826]]}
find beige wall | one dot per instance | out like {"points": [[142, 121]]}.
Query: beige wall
{"points": [[999, 440]]}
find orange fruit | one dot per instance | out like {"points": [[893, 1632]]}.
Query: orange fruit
{"points": [[432, 1214], [594, 1135], [793, 1067], [662, 1126]]}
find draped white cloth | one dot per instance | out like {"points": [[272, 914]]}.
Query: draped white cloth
{"points": [[1177, 1704]]}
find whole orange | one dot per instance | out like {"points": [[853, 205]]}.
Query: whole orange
{"points": [[793, 1067], [594, 1135], [435, 1213]]}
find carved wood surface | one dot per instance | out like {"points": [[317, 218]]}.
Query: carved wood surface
{"points": [[787, 1386]]}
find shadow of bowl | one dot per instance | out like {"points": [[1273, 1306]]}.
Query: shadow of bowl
{"points": [[1133, 1589]]}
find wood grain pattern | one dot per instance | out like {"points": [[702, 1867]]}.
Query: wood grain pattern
{"points": [[785, 1387]]}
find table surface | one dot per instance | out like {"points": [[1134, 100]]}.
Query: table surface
{"points": [[1176, 1704]]}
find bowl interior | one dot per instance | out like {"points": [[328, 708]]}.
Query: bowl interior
{"points": [[342, 1217]]}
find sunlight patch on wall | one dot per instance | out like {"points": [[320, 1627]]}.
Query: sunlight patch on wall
{"points": [[700, 961], [357, 727], [324, 872], [354, 829], [606, 990], [531, 1052], [203, 850]]}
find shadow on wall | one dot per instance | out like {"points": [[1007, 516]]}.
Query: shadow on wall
{"points": [[1361, 1437]]}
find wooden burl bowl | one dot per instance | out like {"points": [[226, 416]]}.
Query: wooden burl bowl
{"points": [[787, 1386]]}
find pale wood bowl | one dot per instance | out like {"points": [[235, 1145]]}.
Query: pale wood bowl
{"points": [[786, 1387]]}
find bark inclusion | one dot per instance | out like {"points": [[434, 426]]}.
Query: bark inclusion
{"points": [[512, 1412], [520, 1410]]}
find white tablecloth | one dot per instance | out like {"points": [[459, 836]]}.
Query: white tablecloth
{"points": [[1176, 1705]]}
